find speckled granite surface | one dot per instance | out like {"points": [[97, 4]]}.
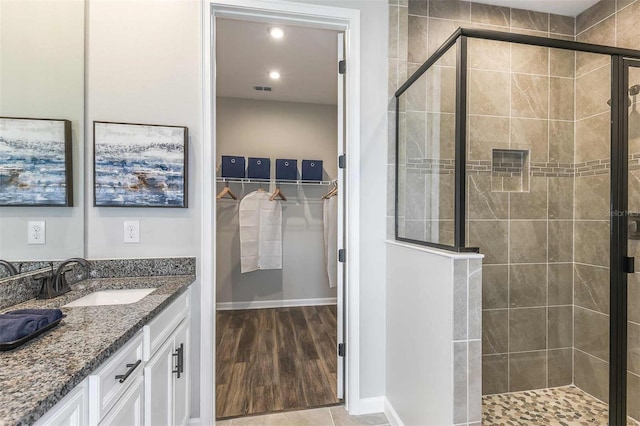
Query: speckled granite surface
{"points": [[21, 288], [35, 376]]}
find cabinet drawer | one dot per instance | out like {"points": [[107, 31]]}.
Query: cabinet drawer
{"points": [[104, 388], [159, 330]]}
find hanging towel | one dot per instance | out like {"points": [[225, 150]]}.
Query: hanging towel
{"points": [[330, 222], [260, 232]]}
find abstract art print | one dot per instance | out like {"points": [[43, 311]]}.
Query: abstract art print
{"points": [[35, 162], [139, 165]]}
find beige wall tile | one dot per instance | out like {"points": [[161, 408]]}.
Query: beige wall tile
{"points": [[562, 63], [591, 287], [440, 135], [527, 329], [529, 20], [620, 4], [587, 62], [593, 136], [529, 59], [527, 285], [489, 54], [531, 134], [560, 198], [416, 134], [593, 90], [482, 202], [489, 14], [532, 204], [495, 286], [488, 92], [439, 31], [495, 331], [633, 347], [418, 7], [450, 9], [528, 241], [415, 196], [633, 395], [527, 371], [441, 89], [603, 33], [634, 296], [560, 368], [560, 24], [591, 334], [495, 374], [445, 186], [561, 141], [592, 242], [560, 325], [417, 39], [529, 96], [591, 375], [560, 283], [393, 31], [595, 14], [491, 237], [416, 94], [560, 241], [460, 361], [561, 99], [593, 195], [403, 36], [485, 134], [628, 30]]}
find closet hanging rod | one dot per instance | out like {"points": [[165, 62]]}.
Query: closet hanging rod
{"points": [[279, 182]]}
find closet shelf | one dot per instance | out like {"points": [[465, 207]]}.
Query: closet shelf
{"points": [[277, 182]]}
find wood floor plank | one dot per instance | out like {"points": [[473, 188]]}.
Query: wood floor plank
{"points": [[270, 360]]}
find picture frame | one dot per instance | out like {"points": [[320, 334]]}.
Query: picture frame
{"points": [[140, 165], [35, 162]]}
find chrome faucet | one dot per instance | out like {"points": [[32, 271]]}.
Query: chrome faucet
{"points": [[9, 267], [55, 284]]}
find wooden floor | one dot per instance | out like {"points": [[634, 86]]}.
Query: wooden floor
{"points": [[271, 360]]}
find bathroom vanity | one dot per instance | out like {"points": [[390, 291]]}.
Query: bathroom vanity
{"points": [[105, 364]]}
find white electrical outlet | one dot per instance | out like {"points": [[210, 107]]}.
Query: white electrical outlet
{"points": [[36, 232], [132, 231]]}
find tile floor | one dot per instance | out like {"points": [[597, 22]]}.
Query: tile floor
{"points": [[557, 406], [328, 416]]}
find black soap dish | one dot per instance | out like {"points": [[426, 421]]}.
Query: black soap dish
{"points": [[7, 346]]}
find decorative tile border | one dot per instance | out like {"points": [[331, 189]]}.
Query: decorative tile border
{"points": [[537, 169]]}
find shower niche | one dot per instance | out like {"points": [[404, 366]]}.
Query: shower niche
{"points": [[510, 170]]}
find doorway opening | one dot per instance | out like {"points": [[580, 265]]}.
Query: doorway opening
{"points": [[279, 216]]}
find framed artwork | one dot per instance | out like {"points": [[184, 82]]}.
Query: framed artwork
{"points": [[35, 162], [139, 165]]}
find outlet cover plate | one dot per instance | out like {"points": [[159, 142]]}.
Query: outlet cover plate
{"points": [[36, 232], [132, 231]]}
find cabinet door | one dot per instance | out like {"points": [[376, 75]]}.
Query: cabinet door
{"points": [[158, 384], [129, 410], [71, 411], [182, 385]]}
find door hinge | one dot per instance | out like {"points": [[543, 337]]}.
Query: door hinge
{"points": [[342, 161], [341, 255], [340, 349], [629, 264], [342, 67]]}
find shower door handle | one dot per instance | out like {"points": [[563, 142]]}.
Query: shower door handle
{"points": [[629, 264]]}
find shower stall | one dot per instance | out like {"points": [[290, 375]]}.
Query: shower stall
{"points": [[527, 149]]}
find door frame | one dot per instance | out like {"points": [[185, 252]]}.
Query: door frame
{"points": [[337, 18]]}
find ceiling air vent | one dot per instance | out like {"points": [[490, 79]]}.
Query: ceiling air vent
{"points": [[262, 88]]}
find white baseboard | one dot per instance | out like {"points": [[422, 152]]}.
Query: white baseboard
{"points": [[194, 422], [391, 414], [264, 304], [371, 405]]}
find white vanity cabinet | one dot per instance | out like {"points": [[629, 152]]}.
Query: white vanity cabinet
{"points": [[146, 382], [166, 373]]}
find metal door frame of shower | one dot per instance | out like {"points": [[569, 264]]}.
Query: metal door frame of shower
{"points": [[621, 60]]}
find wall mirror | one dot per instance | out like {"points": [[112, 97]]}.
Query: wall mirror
{"points": [[41, 77]]}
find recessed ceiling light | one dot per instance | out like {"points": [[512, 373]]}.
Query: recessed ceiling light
{"points": [[276, 32], [275, 75]]}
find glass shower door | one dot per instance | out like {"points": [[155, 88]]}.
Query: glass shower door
{"points": [[632, 79]]}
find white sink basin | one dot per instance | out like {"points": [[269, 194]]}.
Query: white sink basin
{"points": [[111, 297]]}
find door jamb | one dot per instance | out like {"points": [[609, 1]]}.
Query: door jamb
{"points": [[343, 19]]}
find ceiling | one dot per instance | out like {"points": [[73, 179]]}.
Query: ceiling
{"points": [[559, 7], [306, 59]]}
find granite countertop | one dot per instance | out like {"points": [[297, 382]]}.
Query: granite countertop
{"points": [[38, 374]]}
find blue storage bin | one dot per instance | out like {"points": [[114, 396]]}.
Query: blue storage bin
{"points": [[232, 166], [286, 169], [312, 170], [259, 168]]}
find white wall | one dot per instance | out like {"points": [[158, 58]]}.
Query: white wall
{"points": [[42, 76], [258, 128], [419, 364], [144, 66]]}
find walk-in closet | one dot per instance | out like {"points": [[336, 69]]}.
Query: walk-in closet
{"points": [[279, 281]]}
